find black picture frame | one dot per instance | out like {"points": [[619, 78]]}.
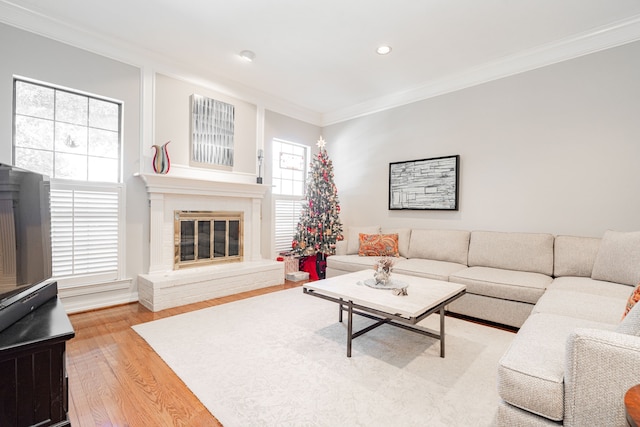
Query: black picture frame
{"points": [[425, 184]]}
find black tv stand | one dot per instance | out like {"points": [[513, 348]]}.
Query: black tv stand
{"points": [[34, 385]]}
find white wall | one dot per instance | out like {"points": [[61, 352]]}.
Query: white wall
{"points": [[173, 123], [551, 150]]}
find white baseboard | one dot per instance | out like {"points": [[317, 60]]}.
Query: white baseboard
{"points": [[97, 295]]}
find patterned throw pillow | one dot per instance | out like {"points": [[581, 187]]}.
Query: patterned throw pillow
{"points": [[378, 245], [633, 299]]}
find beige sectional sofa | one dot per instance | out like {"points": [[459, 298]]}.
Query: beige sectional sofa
{"points": [[573, 358]]}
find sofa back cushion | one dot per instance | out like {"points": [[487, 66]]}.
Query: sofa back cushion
{"points": [[618, 258], [574, 256], [440, 245], [404, 235], [512, 251], [353, 237]]}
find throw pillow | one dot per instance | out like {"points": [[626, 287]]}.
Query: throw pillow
{"points": [[353, 242], [633, 299], [378, 245], [404, 236]]}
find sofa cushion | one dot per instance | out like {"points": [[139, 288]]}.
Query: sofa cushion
{"points": [[531, 372], [404, 235], [353, 241], [511, 285], [618, 258], [378, 245], [429, 268], [532, 252], [587, 285], [581, 305], [440, 245], [574, 256]]}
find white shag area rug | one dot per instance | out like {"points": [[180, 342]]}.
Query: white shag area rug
{"points": [[280, 360]]}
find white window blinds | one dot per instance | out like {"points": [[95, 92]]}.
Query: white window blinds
{"points": [[287, 214], [85, 230]]}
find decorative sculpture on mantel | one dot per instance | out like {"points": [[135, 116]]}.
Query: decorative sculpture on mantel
{"points": [[161, 162]]}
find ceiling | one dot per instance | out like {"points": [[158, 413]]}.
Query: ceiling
{"points": [[318, 58]]}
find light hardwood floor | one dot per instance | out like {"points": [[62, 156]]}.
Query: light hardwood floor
{"points": [[116, 379]]}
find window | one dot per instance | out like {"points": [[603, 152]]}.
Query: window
{"points": [[75, 139], [289, 168]]}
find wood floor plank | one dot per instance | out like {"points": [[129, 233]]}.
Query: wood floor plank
{"points": [[115, 377]]}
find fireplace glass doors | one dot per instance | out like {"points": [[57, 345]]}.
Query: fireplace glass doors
{"points": [[203, 238]]}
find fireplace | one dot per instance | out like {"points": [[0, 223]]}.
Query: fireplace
{"points": [[211, 208], [207, 237]]}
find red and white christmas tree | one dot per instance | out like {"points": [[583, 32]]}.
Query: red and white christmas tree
{"points": [[319, 227]]}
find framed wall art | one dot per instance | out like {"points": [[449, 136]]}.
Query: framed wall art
{"points": [[212, 129], [426, 184]]}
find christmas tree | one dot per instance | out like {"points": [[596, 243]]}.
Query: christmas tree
{"points": [[319, 227]]}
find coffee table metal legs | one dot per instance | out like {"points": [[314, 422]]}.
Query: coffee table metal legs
{"points": [[351, 335], [349, 327], [382, 318], [442, 334], [349, 323]]}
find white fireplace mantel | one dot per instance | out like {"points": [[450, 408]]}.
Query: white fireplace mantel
{"points": [[169, 184], [168, 193]]}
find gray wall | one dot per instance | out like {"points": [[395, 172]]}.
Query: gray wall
{"points": [[287, 129], [551, 150], [28, 55]]}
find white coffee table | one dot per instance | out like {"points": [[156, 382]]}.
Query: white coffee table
{"points": [[424, 297]]}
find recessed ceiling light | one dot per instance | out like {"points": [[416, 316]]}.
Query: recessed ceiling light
{"points": [[383, 49], [247, 55]]}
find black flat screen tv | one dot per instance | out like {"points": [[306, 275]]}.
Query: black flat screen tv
{"points": [[25, 243]]}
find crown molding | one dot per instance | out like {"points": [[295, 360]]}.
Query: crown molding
{"points": [[28, 20], [602, 38], [616, 34]]}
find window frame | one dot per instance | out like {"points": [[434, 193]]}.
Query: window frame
{"points": [[83, 279], [89, 96], [276, 142]]}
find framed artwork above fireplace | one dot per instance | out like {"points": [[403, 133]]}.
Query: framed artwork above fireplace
{"points": [[212, 132]]}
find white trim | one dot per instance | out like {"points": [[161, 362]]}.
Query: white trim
{"points": [[46, 26], [616, 34], [97, 295]]}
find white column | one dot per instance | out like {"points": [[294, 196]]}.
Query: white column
{"points": [[156, 228], [256, 220]]}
